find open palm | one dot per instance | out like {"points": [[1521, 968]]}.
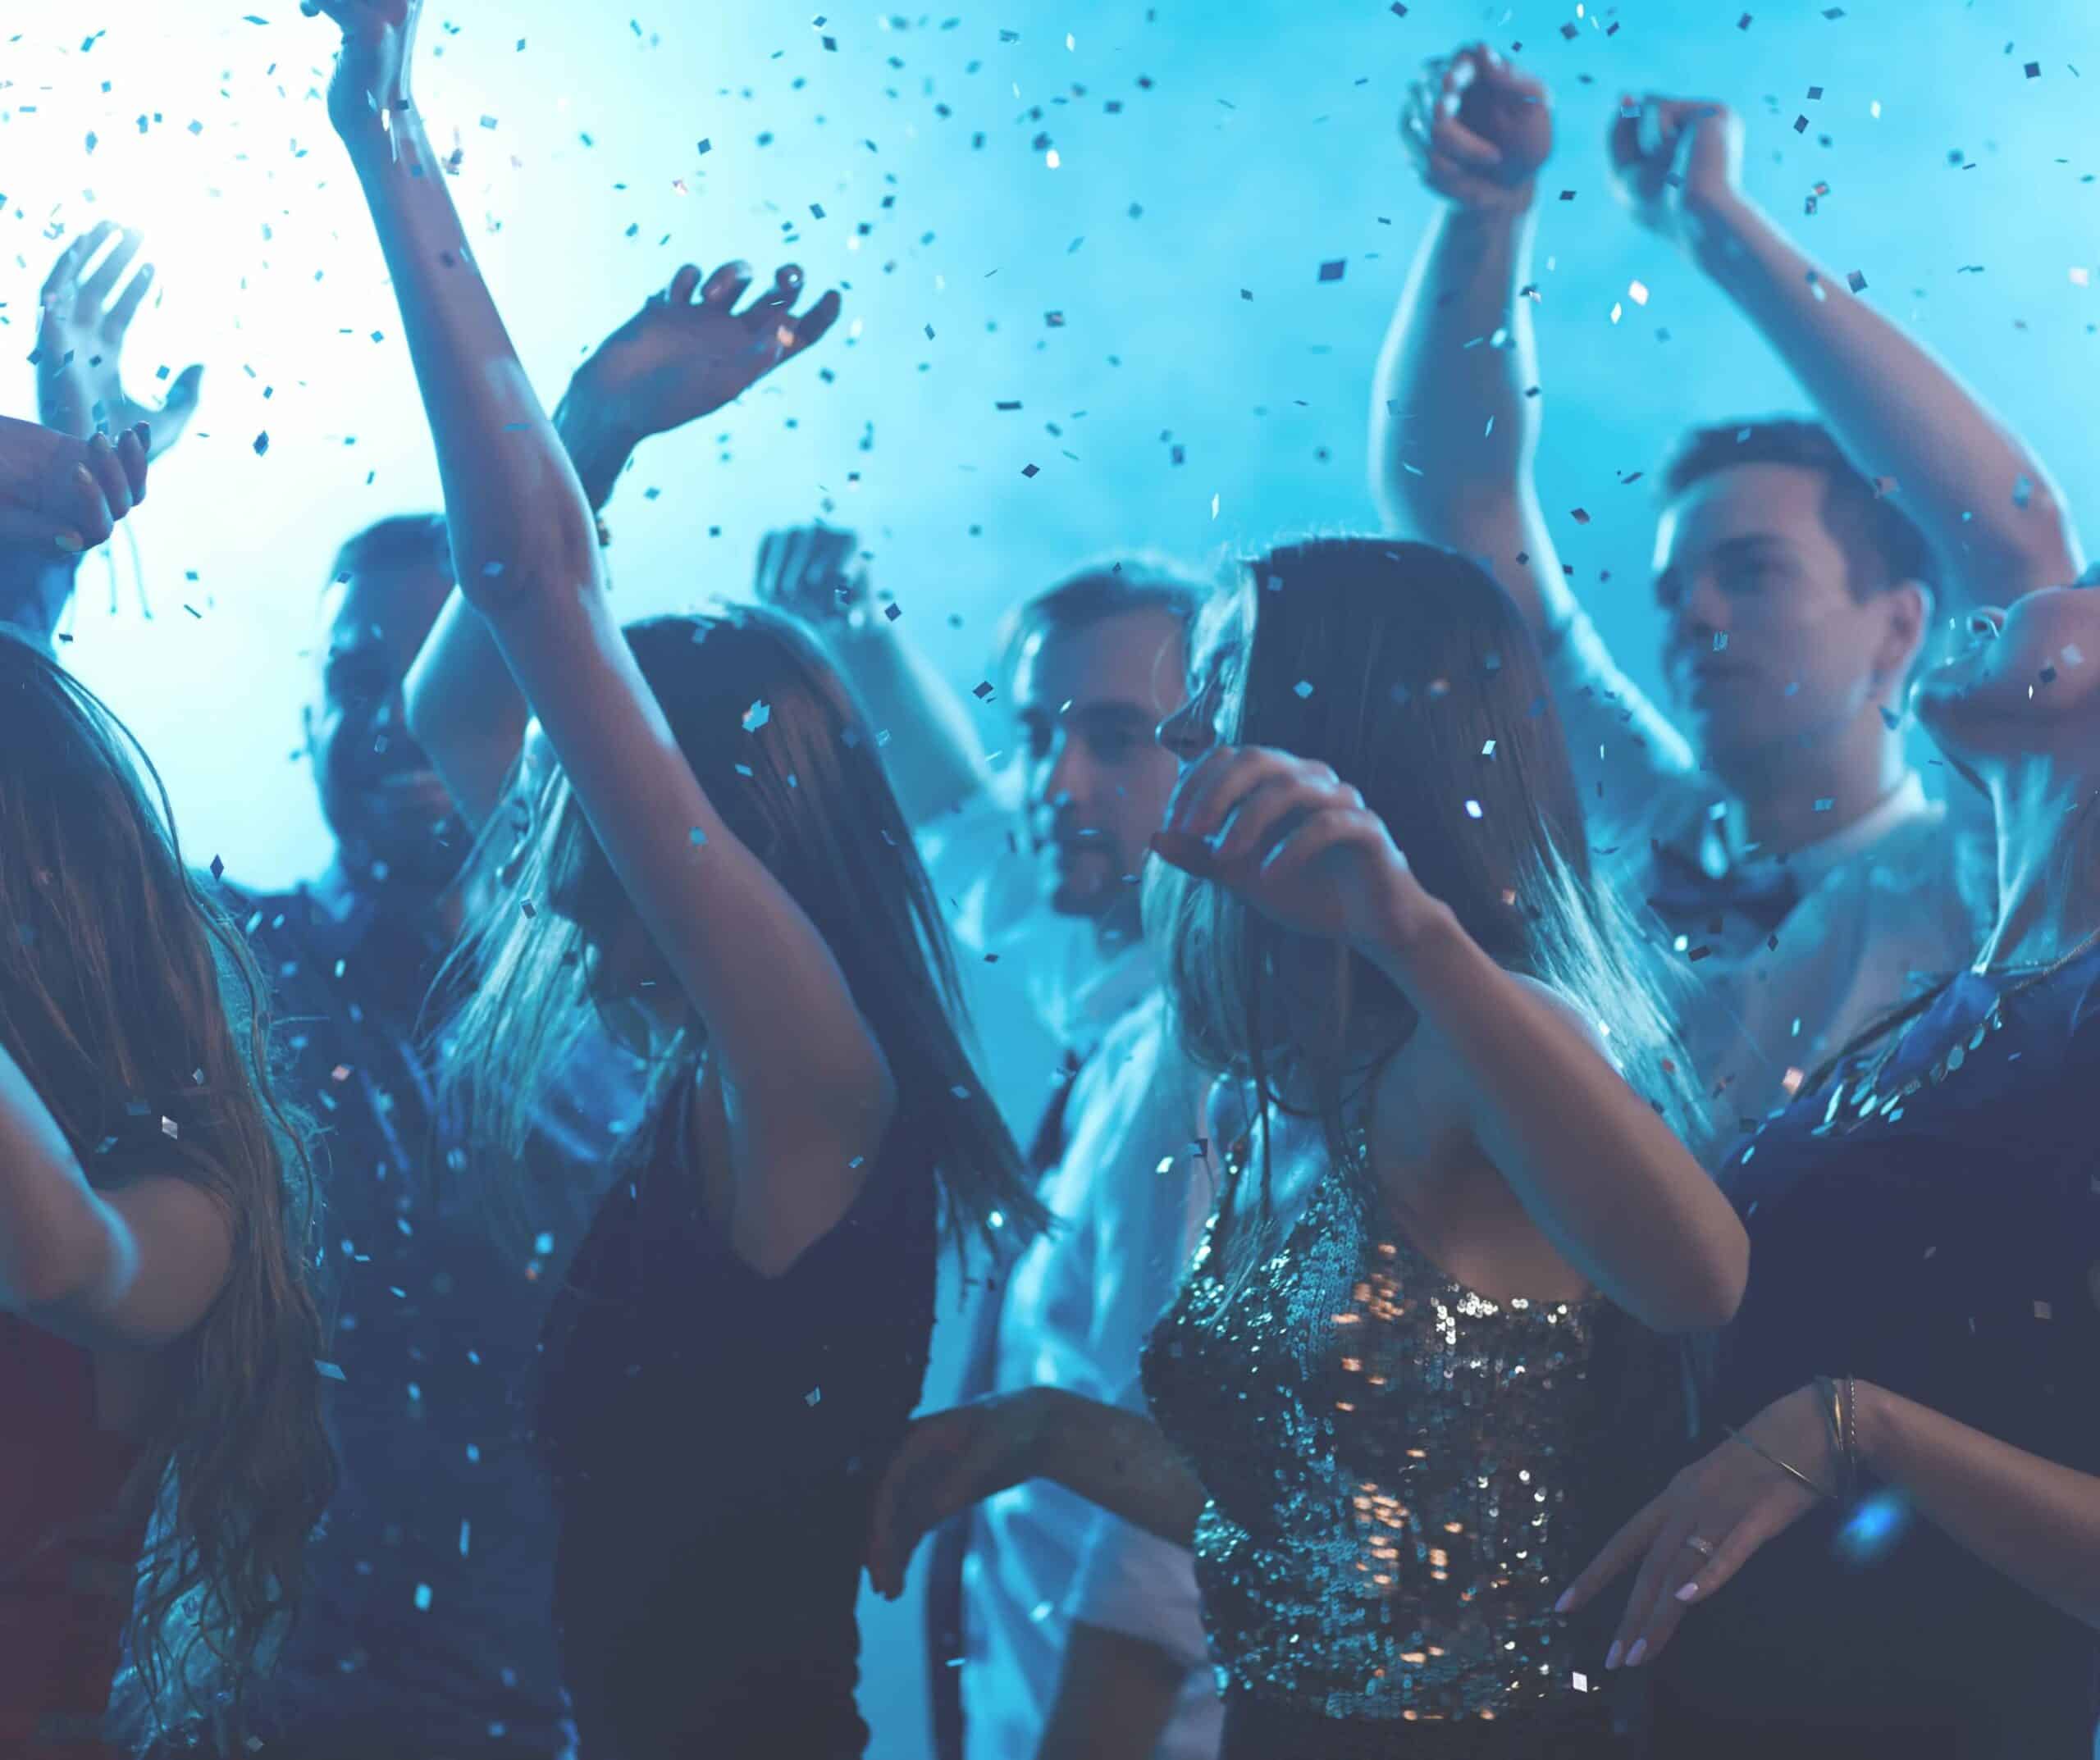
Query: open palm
{"points": [[681, 357], [81, 333]]}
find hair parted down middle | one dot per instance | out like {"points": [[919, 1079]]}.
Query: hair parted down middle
{"points": [[123, 985]]}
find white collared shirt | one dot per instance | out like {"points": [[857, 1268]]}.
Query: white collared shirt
{"points": [[1132, 1193], [1890, 903]]}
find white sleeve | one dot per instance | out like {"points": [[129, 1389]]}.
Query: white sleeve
{"points": [[1132, 1582], [1628, 759]]}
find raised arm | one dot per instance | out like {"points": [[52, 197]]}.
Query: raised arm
{"points": [[1457, 406], [810, 1086], [935, 760], [661, 369], [1985, 500], [1603, 1177], [83, 320], [137, 1265]]}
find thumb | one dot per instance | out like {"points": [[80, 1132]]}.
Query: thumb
{"points": [[182, 395]]}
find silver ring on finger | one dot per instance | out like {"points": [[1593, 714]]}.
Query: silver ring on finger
{"points": [[1706, 1548]]}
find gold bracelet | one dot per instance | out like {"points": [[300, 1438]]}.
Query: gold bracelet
{"points": [[1795, 1472], [1851, 1437]]}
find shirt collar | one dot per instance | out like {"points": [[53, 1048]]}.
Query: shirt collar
{"points": [[1091, 1002], [1722, 839]]}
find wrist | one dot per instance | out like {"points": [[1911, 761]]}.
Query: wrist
{"points": [[1419, 944], [1872, 1422], [1716, 227], [598, 440]]}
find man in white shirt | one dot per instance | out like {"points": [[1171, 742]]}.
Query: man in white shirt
{"points": [[1797, 860], [1038, 866]]}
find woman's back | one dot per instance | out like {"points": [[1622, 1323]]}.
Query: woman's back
{"points": [[715, 1433]]}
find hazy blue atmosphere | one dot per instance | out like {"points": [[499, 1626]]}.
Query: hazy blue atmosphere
{"points": [[1188, 376]]}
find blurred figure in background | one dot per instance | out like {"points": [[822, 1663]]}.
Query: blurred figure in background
{"points": [[1799, 862]]}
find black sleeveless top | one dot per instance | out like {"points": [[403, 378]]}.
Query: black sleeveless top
{"points": [[1932, 1227], [715, 1435]]}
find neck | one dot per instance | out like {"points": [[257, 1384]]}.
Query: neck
{"points": [[1779, 791], [1116, 928], [2048, 884]]}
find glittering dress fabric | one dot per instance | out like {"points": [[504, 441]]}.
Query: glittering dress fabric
{"points": [[1389, 1458]]}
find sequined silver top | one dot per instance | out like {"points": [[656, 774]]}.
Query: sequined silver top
{"points": [[1387, 1455]]}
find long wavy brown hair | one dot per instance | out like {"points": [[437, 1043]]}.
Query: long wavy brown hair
{"points": [[127, 996], [812, 801]]}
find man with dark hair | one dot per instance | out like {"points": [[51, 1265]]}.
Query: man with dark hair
{"points": [[1047, 1657], [1795, 858]]}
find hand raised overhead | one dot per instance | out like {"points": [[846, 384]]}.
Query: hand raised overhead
{"points": [[1479, 129], [80, 345], [1673, 159], [371, 81], [680, 358]]}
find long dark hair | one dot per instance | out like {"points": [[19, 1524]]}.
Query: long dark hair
{"points": [[1407, 670], [811, 800], [126, 995]]}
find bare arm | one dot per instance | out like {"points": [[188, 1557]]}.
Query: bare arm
{"points": [[1456, 407], [2035, 1521], [810, 1089], [935, 760], [1986, 502], [1605, 1179], [1115, 1696], [139, 1265]]}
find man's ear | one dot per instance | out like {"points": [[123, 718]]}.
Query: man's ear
{"points": [[1908, 606]]}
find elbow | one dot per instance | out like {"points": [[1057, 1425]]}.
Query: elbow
{"points": [[1708, 1298]]}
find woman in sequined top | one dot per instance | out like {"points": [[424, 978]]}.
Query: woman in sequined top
{"points": [[1384, 1403], [1906, 1557]]}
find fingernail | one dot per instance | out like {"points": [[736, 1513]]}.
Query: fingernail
{"points": [[1639, 1650], [1611, 1656], [84, 477], [70, 543], [1688, 1592], [1561, 1605]]}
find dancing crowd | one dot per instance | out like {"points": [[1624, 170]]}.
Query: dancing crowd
{"points": [[1498, 1224]]}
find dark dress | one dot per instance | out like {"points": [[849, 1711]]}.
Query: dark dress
{"points": [[66, 1564], [1948, 1250], [1400, 1472], [716, 1435]]}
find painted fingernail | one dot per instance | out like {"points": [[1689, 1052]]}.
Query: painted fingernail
{"points": [[1688, 1592], [84, 477], [1639, 1650], [1611, 1656], [1561, 1605], [70, 543]]}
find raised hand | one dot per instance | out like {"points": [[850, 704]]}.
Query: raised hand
{"points": [[1479, 129], [80, 334], [679, 358], [1296, 842], [948, 1462], [60, 495], [371, 81], [1715, 1514], [1673, 160], [808, 573]]}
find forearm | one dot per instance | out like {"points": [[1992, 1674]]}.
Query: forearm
{"points": [[516, 513], [597, 447], [2035, 1521], [935, 760], [1983, 500], [1454, 436], [1602, 1175], [1119, 1460], [466, 710], [1115, 1696], [58, 1238]]}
